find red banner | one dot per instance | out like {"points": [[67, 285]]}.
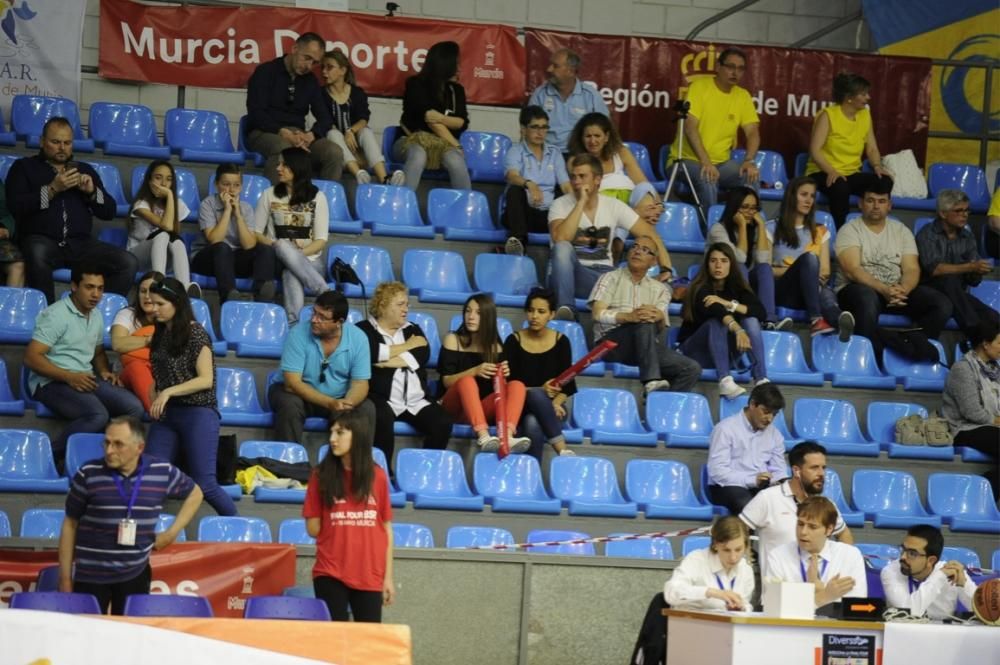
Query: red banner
{"points": [[225, 573], [220, 47], [641, 79]]}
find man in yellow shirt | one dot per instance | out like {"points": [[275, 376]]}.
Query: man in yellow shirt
{"points": [[992, 236], [719, 109]]}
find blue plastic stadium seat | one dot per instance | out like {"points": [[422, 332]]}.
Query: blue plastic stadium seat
{"points": [[435, 479], [513, 485], [917, 375], [578, 345], [703, 492], [235, 529], [111, 178], [964, 555], [920, 222], [186, 184], [833, 489], [728, 407], [55, 601], [640, 548], [372, 264], [255, 157], [965, 502], [254, 329], [663, 488], [236, 392], [589, 486], [391, 211], [508, 278], [19, 307], [484, 154], [397, 498], [48, 579], [341, 220], [125, 129], [164, 522], [200, 136], [773, 174], [411, 535], [715, 214], [6, 138], [167, 605], [504, 327], [9, 405], [989, 292], [428, 324], [42, 523], [849, 365], [641, 154], [4, 525], [29, 113], [833, 423], [890, 499], [202, 315], [786, 362], [26, 463], [6, 161], [287, 608], [478, 536], [41, 411], [966, 177], [437, 276], [878, 555], [680, 228], [882, 417], [83, 447], [692, 543], [683, 419], [462, 214], [610, 416], [292, 531], [115, 236], [554, 535]]}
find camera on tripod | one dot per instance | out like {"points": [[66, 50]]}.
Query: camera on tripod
{"points": [[682, 107]]}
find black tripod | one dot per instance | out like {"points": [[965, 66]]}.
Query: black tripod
{"points": [[682, 107]]}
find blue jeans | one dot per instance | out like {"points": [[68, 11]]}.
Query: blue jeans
{"points": [[643, 345], [761, 278], [799, 288], [298, 271], [708, 192], [539, 421], [710, 346], [195, 429], [414, 161], [571, 279], [87, 412]]}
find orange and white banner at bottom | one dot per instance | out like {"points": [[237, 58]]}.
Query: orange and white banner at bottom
{"points": [[225, 573]]}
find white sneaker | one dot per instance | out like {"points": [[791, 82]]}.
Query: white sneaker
{"points": [[363, 177], [729, 389], [566, 452], [513, 247], [397, 179], [519, 444], [488, 444], [761, 382], [655, 385]]}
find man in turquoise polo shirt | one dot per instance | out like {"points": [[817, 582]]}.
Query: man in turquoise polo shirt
{"points": [[326, 365], [70, 373]]}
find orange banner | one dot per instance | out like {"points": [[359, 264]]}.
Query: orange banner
{"points": [[219, 47]]}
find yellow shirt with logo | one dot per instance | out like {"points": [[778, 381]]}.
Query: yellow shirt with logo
{"points": [[994, 210], [846, 141], [720, 115]]}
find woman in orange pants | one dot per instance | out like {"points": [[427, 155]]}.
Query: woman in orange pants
{"points": [[131, 333], [470, 358]]}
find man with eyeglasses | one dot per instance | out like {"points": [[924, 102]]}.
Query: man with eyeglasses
{"points": [[630, 309], [565, 98], [919, 581], [949, 258], [533, 169], [279, 95], [719, 109], [326, 365]]}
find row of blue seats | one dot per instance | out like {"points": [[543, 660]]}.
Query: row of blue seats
{"points": [[589, 486]]}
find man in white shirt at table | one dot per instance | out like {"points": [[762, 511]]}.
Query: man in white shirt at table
{"points": [[836, 569], [921, 582]]}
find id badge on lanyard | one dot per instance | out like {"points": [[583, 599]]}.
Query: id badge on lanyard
{"points": [[127, 526]]}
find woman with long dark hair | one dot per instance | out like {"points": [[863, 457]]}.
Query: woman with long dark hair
{"points": [[721, 318], [800, 256], [470, 357], [132, 335], [434, 117], [347, 511], [184, 411], [743, 228], [294, 217]]}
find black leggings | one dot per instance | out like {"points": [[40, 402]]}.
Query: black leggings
{"points": [[365, 605], [985, 439]]}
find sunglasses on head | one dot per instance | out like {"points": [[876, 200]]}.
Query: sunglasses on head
{"points": [[160, 287]]}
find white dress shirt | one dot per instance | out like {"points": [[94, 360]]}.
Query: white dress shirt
{"points": [[936, 595], [789, 563], [407, 393], [701, 570]]}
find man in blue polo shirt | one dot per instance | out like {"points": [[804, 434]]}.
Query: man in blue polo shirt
{"points": [[70, 373], [326, 365], [112, 510], [565, 98]]}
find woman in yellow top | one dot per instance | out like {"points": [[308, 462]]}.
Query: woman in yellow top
{"points": [[841, 133]]}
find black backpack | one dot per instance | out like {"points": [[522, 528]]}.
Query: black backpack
{"points": [[651, 646]]}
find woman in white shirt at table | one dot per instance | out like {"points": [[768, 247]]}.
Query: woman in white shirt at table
{"points": [[717, 577]]}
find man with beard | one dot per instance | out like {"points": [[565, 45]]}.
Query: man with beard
{"points": [[772, 513], [921, 582]]}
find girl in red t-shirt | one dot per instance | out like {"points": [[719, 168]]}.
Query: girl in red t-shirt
{"points": [[347, 511]]}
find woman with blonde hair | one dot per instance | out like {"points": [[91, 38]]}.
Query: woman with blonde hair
{"points": [[717, 577]]}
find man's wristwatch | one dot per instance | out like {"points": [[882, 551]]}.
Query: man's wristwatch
{"points": [[733, 304]]}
